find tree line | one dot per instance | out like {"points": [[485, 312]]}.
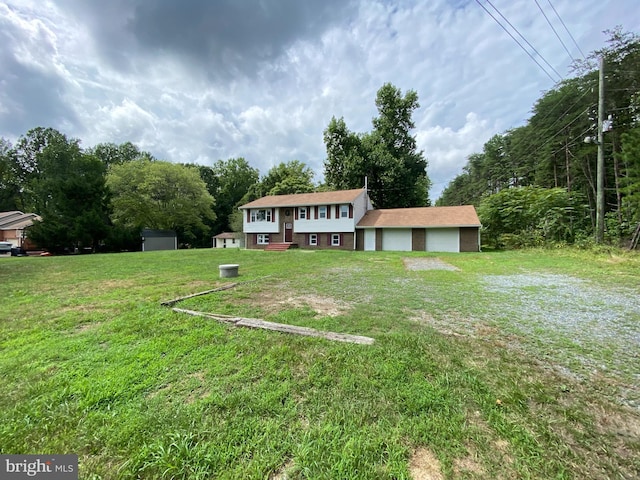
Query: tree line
{"points": [[100, 198], [536, 184]]}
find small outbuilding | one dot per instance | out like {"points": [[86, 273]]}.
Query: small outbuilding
{"points": [[430, 229], [159, 240], [228, 240]]}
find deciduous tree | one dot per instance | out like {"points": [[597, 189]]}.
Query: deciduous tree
{"points": [[396, 171], [161, 195], [113, 154], [234, 178], [288, 178], [68, 191]]}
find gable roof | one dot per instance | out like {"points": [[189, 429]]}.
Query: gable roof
{"points": [[16, 220], [225, 235], [304, 199], [421, 217]]}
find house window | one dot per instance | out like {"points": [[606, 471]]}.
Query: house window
{"points": [[322, 212], [302, 213], [263, 239], [335, 240], [344, 211], [261, 215], [313, 239]]}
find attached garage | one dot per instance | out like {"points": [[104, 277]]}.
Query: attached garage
{"points": [[443, 240], [431, 229], [396, 239]]}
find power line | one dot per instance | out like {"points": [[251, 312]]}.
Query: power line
{"points": [[522, 36], [519, 44], [560, 117], [568, 110], [567, 30], [576, 140], [563, 127], [559, 103], [554, 31]]}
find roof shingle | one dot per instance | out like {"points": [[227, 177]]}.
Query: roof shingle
{"points": [[420, 217], [303, 199], [16, 220]]}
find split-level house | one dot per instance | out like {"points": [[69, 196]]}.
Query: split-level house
{"points": [[346, 220], [306, 220]]}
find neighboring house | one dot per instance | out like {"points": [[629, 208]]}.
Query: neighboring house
{"points": [[227, 240], [346, 220], [308, 220], [159, 240], [13, 228], [430, 229]]}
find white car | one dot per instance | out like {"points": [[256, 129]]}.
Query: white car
{"points": [[5, 247]]}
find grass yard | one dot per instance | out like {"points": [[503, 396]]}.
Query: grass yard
{"points": [[495, 365]]}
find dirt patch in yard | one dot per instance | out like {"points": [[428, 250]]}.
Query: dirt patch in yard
{"points": [[325, 306], [85, 327], [283, 473], [424, 465], [427, 264], [468, 466]]}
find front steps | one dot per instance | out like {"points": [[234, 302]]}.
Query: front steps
{"points": [[280, 247]]}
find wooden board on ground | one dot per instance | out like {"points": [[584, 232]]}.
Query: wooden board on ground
{"points": [[280, 327], [168, 303]]}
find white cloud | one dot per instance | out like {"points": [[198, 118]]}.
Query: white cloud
{"points": [[447, 149], [78, 67]]}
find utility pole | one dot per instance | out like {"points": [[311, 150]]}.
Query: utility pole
{"points": [[600, 167]]}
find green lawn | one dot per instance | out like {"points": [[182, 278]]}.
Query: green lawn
{"points": [[514, 365]]}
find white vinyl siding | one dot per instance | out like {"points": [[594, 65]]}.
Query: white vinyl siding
{"points": [[261, 226], [396, 239], [443, 240]]}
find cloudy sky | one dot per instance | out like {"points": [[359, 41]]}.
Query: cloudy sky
{"points": [[196, 81]]}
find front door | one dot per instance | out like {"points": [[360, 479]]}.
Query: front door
{"points": [[288, 232]]}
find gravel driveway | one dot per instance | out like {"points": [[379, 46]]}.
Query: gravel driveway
{"points": [[583, 327]]}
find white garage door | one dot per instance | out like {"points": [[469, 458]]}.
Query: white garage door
{"points": [[369, 239], [396, 239], [443, 240]]}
